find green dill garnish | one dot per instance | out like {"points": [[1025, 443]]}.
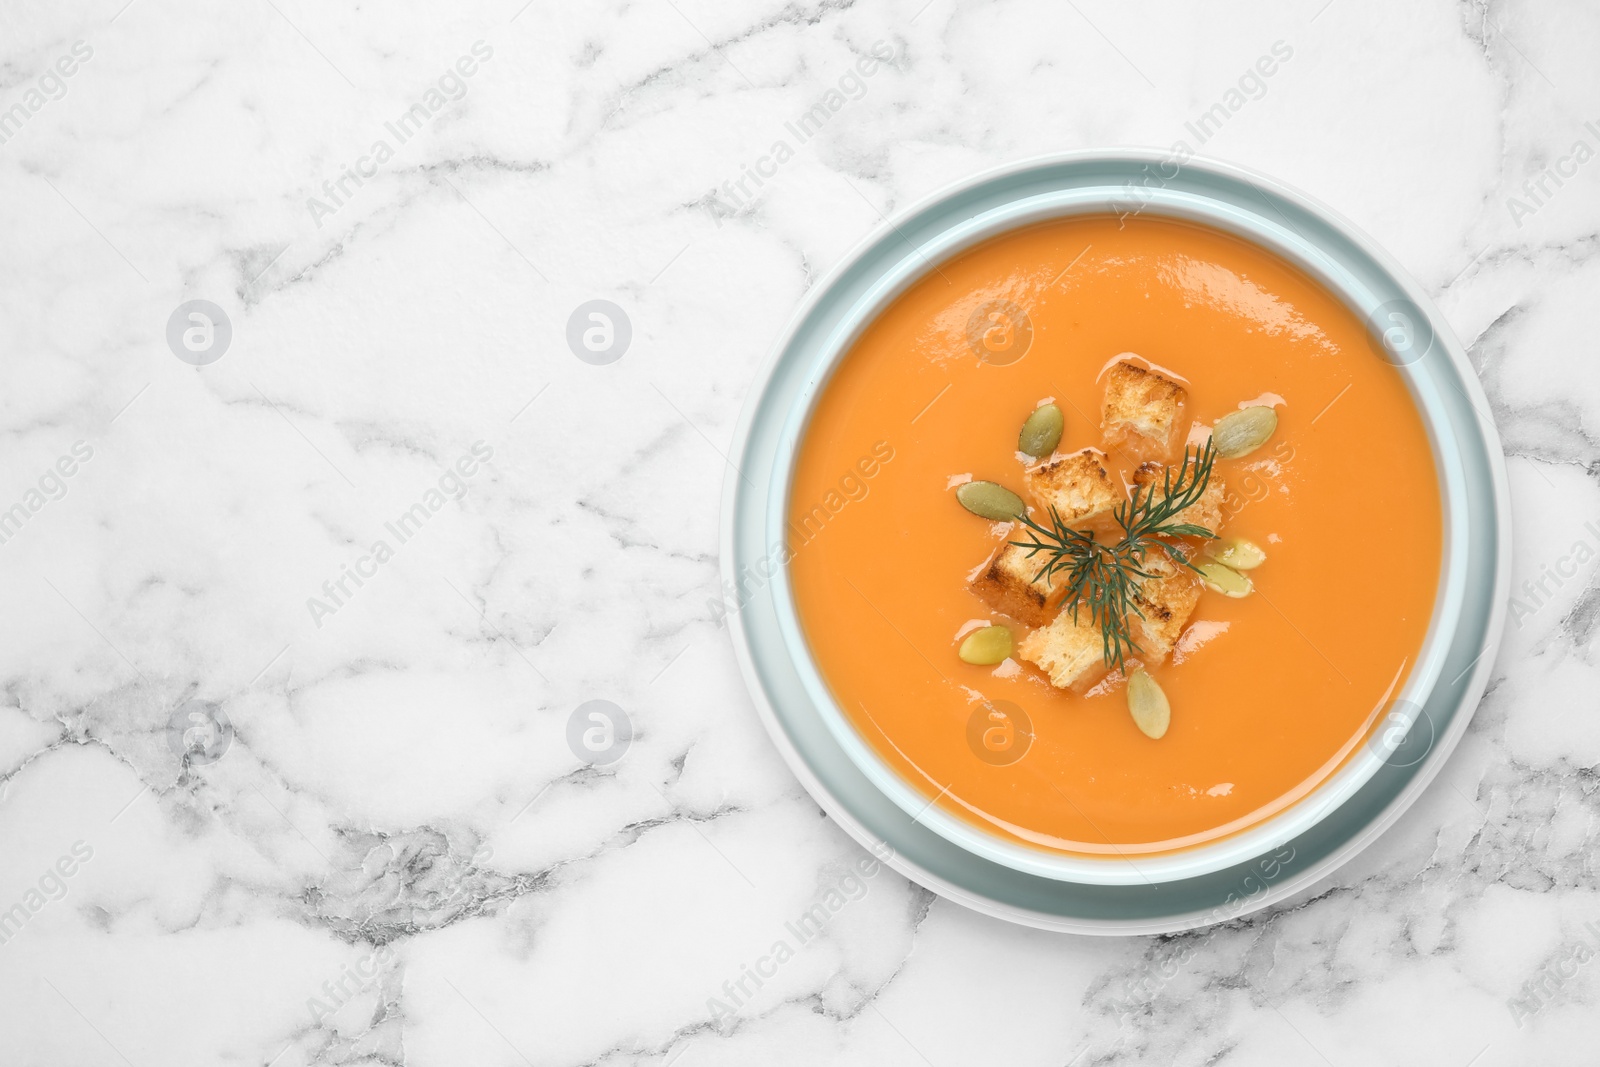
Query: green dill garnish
{"points": [[1103, 577]]}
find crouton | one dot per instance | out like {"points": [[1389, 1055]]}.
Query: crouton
{"points": [[1008, 585], [1141, 410], [1207, 511], [1071, 651], [1077, 486], [1165, 601]]}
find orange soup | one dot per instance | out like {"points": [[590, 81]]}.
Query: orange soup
{"points": [[1269, 692]]}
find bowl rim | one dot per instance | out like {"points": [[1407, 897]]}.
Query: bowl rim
{"points": [[1270, 831], [1285, 816]]}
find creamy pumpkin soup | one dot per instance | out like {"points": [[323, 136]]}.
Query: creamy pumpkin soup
{"points": [[1115, 536]]}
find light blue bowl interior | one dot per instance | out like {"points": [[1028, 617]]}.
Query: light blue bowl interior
{"points": [[960, 859]]}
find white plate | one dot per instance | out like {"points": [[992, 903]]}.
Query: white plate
{"points": [[1244, 871]]}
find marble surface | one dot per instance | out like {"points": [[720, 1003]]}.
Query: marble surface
{"points": [[258, 811]]}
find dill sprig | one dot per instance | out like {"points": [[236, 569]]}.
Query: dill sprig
{"points": [[1104, 578]]}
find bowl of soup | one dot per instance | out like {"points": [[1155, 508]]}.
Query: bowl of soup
{"points": [[1119, 533]]}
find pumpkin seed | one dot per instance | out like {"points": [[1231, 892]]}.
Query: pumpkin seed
{"points": [[1041, 432], [987, 646], [990, 501], [1225, 580], [1237, 553], [1148, 705], [1240, 433]]}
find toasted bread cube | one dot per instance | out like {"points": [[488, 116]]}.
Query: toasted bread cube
{"points": [[1141, 409], [1207, 511], [1077, 486], [1008, 585], [1165, 602], [1071, 651]]}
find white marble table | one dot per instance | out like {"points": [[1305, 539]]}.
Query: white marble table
{"points": [[380, 848]]}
